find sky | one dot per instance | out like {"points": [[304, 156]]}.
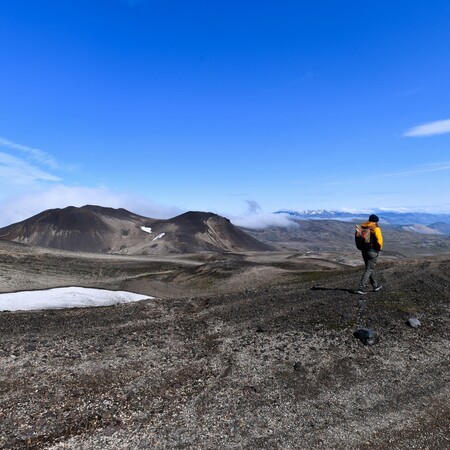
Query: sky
{"points": [[236, 107]]}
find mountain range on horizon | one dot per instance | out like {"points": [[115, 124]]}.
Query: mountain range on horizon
{"points": [[386, 217], [99, 229]]}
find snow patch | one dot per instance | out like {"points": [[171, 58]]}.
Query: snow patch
{"points": [[146, 229], [160, 235], [70, 297], [422, 229]]}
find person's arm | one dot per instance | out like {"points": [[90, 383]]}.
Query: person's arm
{"points": [[379, 237]]}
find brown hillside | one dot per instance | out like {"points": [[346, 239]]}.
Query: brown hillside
{"points": [[86, 229], [194, 232], [106, 230]]}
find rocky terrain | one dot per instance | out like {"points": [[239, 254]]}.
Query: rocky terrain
{"points": [[336, 236], [245, 350]]}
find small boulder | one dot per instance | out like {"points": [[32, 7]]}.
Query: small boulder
{"points": [[413, 322], [31, 347], [365, 335]]}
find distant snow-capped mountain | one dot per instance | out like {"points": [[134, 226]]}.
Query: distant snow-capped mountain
{"points": [[388, 217], [322, 214]]}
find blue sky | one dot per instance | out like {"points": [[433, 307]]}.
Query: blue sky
{"points": [[167, 106]]}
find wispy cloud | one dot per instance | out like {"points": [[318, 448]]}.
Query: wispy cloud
{"points": [[18, 172], [429, 129], [24, 168], [293, 82], [253, 207], [408, 92], [29, 186], [425, 168], [35, 154]]}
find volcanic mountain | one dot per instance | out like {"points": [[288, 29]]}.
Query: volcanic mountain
{"points": [[106, 230], [87, 229], [194, 232]]}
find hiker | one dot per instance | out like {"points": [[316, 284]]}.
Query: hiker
{"points": [[370, 250]]}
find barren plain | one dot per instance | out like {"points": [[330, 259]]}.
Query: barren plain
{"points": [[245, 350]]}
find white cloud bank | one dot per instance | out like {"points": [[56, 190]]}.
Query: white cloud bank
{"points": [[429, 129], [70, 297], [263, 220], [256, 219]]}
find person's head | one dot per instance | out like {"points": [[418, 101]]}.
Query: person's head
{"points": [[373, 218]]}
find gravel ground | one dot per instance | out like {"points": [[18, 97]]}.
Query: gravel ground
{"points": [[272, 367]]}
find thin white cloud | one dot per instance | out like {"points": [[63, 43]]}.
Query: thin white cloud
{"points": [[429, 129], [425, 168], [34, 153], [26, 189], [408, 92], [433, 167], [18, 172]]}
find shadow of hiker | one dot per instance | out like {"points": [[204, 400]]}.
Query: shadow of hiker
{"points": [[320, 288]]}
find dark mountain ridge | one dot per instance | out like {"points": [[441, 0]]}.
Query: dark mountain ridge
{"points": [[87, 229], [194, 232], [107, 230]]}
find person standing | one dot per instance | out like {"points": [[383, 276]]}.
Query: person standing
{"points": [[370, 255]]}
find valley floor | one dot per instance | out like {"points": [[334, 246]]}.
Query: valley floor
{"points": [[267, 363]]}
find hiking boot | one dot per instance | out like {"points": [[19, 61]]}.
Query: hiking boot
{"points": [[360, 291], [376, 289]]}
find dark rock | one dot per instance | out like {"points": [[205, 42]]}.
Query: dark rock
{"points": [[297, 365], [365, 335]]}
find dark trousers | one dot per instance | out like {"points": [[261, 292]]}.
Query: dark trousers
{"points": [[370, 260]]}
